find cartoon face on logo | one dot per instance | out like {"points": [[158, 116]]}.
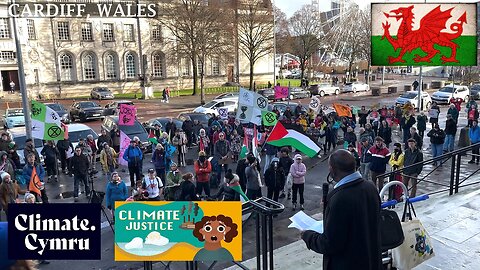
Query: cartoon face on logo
{"points": [[420, 246], [213, 230]]}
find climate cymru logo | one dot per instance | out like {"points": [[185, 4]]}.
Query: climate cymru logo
{"points": [[54, 231]]}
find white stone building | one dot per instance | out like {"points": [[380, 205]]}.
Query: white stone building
{"points": [[70, 56]]}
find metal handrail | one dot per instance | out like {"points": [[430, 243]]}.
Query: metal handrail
{"points": [[432, 160]]}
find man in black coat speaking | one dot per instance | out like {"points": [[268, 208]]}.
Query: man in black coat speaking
{"points": [[351, 237]]}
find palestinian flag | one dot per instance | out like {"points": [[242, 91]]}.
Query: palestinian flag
{"points": [[244, 150], [280, 136], [236, 186], [420, 34], [151, 137]]}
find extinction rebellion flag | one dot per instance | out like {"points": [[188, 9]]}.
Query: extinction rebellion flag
{"points": [[46, 124], [424, 34]]}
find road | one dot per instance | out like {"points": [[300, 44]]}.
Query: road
{"points": [[317, 171]]}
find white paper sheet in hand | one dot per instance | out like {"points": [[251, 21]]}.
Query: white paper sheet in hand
{"points": [[304, 222]]}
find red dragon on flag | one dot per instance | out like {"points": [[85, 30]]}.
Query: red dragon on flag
{"points": [[430, 33]]}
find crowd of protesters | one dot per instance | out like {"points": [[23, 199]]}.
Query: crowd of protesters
{"points": [[367, 134]]}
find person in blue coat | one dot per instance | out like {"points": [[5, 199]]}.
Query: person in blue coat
{"points": [[474, 135], [134, 156], [27, 174], [116, 191]]}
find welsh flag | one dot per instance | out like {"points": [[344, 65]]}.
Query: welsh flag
{"points": [[244, 150], [46, 124], [421, 34], [280, 136]]}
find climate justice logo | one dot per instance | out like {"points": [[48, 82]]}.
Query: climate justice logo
{"points": [[81, 10], [54, 231]]}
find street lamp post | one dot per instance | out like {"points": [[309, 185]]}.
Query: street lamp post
{"points": [[21, 79]]}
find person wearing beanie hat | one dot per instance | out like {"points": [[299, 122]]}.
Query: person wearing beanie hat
{"points": [[298, 170], [203, 168], [116, 190], [274, 179], [9, 191], [133, 154], [187, 188], [353, 151], [226, 192], [6, 165], [108, 159], [29, 198], [160, 161]]}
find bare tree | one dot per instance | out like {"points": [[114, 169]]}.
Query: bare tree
{"points": [[214, 41], [255, 31], [196, 29], [305, 27], [351, 44]]}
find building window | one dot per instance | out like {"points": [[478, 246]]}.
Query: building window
{"points": [[63, 29], [31, 29], [156, 33], [215, 66], [110, 66], [128, 34], [185, 65], [87, 32], [4, 28], [130, 70], [7, 56], [108, 32], [157, 64], [89, 70], [66, 67]]}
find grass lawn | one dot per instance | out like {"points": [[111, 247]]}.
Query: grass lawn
{"points": [[293, 82]]}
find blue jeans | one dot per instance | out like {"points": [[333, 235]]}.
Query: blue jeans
{"points": [[437, 150], [449, 143]]}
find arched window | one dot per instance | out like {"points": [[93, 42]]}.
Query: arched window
{"points": [[111, 66], [157, 65], [89, 66], [66, 67], [130, 67]]}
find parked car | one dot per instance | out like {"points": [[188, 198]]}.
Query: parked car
{"points": [[321, 76], [412, 97], [269, 93], [212, 106], [475, 91], [227, 95], [282, 106], [80, 131], [112, 107], [323, 89], [294, 75], [298, 93], [19, 136], [61, 111], [444, 94], [131, 131], [13, 118], [85, 110], [101, 93], [162, 121], [201, 117], [355, 87]]}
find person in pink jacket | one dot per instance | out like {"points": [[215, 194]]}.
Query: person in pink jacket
{"points": [[298, 171]]}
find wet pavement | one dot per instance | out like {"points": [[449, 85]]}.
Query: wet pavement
{"points": [[286, 242]]}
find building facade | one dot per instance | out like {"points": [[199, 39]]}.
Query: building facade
{"points": [[70, 56]]}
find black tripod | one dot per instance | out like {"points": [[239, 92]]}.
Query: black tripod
{"points": [[97, 197]]}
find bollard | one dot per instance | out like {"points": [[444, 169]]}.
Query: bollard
{"points": [[392, 89], [376, 91]]}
